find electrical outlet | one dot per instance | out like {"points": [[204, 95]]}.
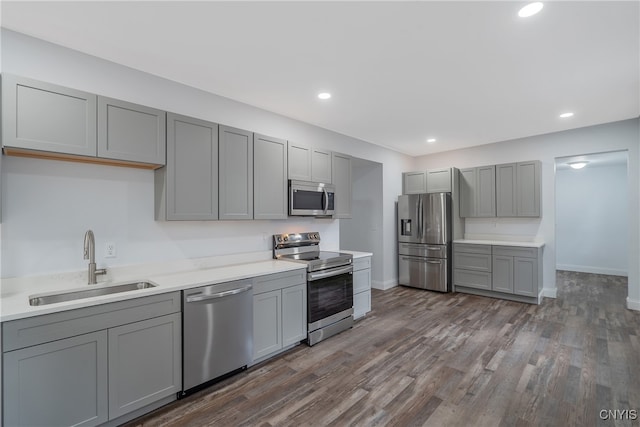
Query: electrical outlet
{"points": [[110, 250]]}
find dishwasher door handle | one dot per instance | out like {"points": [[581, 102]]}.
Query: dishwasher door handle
{"points": [[204, 297]]}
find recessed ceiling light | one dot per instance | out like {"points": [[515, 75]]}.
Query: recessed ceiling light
{"points": [[431, 140], [324, 95], [566, 115], [530, 9], [578, 165]]}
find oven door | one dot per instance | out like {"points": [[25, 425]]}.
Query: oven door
{"points": [[329, 293]]}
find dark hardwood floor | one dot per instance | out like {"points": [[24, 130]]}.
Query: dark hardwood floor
{"points": [[423, 358]]}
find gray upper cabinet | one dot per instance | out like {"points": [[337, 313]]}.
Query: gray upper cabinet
{"points": [[414, 182], [478, 192], [321, 165], [269, 177], [187, 188], [45, 117], [341, 171], [518, 189], [299, 162], [439, 180], [235, 189], [131, 132]]}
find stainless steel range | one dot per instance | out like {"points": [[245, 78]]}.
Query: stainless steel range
{"points": [[329, 283]]}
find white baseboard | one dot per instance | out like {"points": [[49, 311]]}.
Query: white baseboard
{"points": [[591, 269], [633, 305], [383, 286], [549, 292]]}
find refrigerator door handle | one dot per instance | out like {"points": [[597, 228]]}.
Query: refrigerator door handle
{"points": [[420, 217]]}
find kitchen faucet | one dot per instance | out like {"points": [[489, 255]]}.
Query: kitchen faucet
{"points": [[90, 254]]}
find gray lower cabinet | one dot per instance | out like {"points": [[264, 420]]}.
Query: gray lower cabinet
{"points": [[187, 187], [45, 120], [235, 188], [279, 313], [92, 365], [341, 171], [361, 287], [59, 383], [269, 177], [144, 363], [511, 272], [131, 132]]}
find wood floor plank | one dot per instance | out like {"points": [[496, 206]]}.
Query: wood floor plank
{"points": [[430, 359]]}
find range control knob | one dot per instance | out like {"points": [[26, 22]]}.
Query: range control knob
{"points": [[279, 239], [286, 238]]}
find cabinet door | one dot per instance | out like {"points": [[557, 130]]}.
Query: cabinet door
{"points": [[467, 192], [414, 183], [59, 383], [525, 276], [506, 190], [46, 117], [321, 165], [145, 363], [192, 169], [361, 281], [528, 188], [439, 180], [235, 191], [298, 162], [502, 274], [341, 170], [269, 177], [361, 304], [131, 132], [267, 323], [294, 314], [486, 192]]}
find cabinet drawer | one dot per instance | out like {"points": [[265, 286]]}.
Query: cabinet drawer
{"points": [[515, 251], [472, 248], [472, 279], [476, 262], [50, 327], [361, 263], [277, 281]]}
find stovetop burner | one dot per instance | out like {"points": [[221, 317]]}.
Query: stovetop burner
{"points": [[304, 248]]}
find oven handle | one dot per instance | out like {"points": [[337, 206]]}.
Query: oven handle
{"points": [[334, 272]]}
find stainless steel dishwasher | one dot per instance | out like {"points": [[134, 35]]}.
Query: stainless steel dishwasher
{"points": [[217, 332]]}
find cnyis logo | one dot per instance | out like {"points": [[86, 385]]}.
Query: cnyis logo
{"points": [[619, 414]]}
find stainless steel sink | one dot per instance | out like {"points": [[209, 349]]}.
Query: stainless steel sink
{"points": [[44, 299]]}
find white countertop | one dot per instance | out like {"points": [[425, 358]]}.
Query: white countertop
{"points": [[501, 243], [15, 292], [14, 301]]}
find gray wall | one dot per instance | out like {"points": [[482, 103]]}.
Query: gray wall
{"points": [[592, 226]]}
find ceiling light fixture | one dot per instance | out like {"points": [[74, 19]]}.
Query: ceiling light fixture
{"points": [[431, 140], [578, 165], [324, 95], [566, 115], [530, 9]]}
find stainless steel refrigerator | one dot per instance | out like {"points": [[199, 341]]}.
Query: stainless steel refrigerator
{"points": [[424, 241]]}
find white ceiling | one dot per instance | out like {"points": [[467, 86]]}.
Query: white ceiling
{"points": [[465, 73]]}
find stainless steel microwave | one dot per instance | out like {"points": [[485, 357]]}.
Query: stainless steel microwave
{"points": [[311, 198]]}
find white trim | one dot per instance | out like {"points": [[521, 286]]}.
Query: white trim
{"points": [[633, 305], [549, 292], [593, 270], [375, 284]]}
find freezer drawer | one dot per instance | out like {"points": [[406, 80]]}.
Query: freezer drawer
{"points": [[424, 273], [421, 250]]}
